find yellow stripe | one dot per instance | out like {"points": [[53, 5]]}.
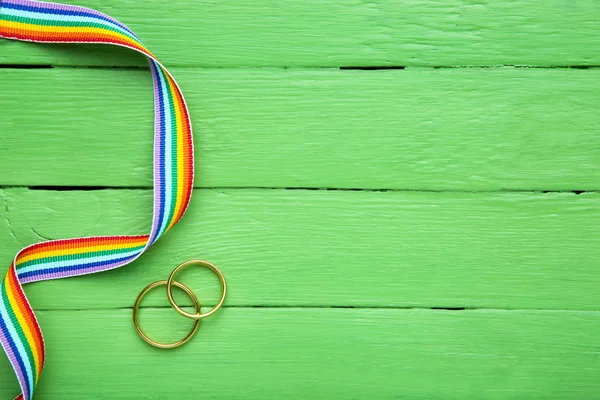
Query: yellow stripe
{"points": [[77, 250], [11, 298], [179, 198]]}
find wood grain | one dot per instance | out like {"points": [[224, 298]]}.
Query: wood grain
{"points": [[323, 353], [333, 293], [331, 248], [316, 33], [421, 129]]}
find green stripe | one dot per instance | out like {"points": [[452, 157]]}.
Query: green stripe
{"points": [[173, 148], [76, 24], [19, 329], [69, 257], [173, 157]]}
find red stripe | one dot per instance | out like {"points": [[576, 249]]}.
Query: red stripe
{"points": [[69, 37], [188, 166], [79, 242]]}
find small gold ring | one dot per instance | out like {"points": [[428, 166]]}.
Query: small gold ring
{"points": [[198, 315], [136, 307]]}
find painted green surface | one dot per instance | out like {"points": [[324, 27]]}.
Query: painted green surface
{"points": [[441, 188], [333, 248], [323, 353], [317, 33], [423, 129]]}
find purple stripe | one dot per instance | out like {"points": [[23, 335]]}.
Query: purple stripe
{"points": [[68, 269], [159, 150], [91, 269], [14, 357], [13, 362], [62, 9], [157, 153]]}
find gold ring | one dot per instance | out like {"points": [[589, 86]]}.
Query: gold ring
{"points": [[136, 307], [198, 315]]}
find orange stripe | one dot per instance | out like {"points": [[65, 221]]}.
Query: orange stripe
{"points": [[75, 34], [59, 248], [101, 240], [185, 168], [177, 100]]}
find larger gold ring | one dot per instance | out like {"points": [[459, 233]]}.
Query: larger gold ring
{"points": [[198, 315], [136, 307]]}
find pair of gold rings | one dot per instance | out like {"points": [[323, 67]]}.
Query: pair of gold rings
{"points": [[170, 283]]}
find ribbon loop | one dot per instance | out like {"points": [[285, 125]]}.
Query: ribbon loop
{"points": [[38, 21]]}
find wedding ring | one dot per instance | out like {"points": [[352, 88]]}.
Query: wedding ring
{"points": [[170, 282], [136, 307]]}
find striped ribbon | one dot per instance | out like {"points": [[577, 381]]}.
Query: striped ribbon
{"points": [[37, 21]]}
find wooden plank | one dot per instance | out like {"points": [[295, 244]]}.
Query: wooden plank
{"points": [[331, 248], [351, 32], [421, 129], [325, 353]]}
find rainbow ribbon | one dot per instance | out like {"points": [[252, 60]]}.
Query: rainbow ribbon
{"points": [[37, 21]]}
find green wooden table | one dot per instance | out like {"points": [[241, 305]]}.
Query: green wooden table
{"points": [[402, 195]]}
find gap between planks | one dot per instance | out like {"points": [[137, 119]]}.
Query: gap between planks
{"points": [[316, 307], [145, 188], [343, 68]]}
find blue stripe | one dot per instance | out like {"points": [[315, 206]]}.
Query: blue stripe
{"points": [[168, 155], [77, 259], [74, 267], [11, 343], [59, 21], [65, 12], [162, 131]]}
